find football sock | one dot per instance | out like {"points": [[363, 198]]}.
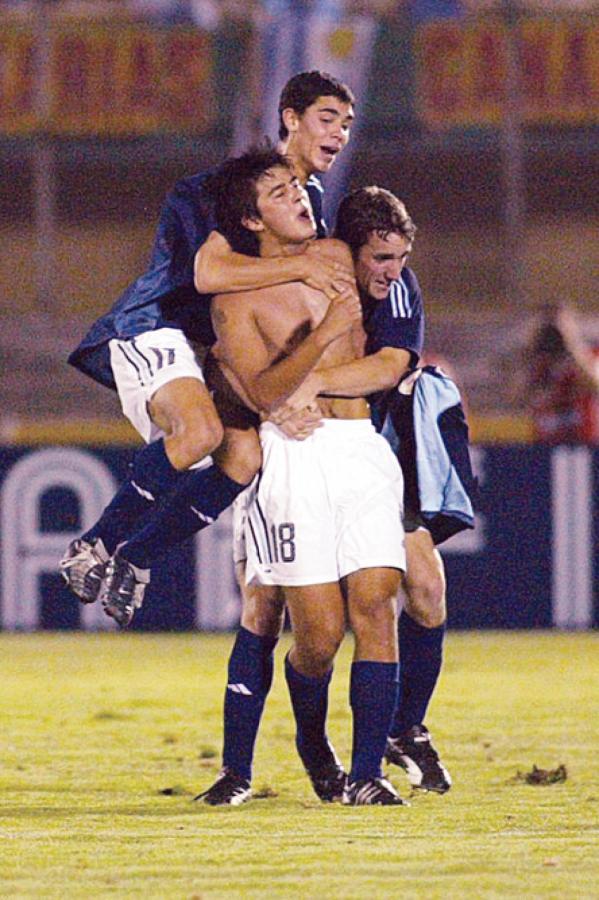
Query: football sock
{"points": [[151, 476], [421, 656], [310, 700], [373, 692], [202, 495], [249, 680]]}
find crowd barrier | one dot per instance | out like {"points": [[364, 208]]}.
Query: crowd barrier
{"points": [[531, 561]]}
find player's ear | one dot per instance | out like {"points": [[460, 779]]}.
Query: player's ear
{"points": [[290, 119], [252, 224]]}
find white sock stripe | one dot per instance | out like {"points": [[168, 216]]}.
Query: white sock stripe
{"points": [[239, 689]]}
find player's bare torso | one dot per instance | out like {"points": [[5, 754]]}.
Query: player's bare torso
{"points": [[283, 316]]}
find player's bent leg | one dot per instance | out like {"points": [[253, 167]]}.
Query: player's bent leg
{"points": [[317, 615], [199, 499], [183, 409], [421, 635]]}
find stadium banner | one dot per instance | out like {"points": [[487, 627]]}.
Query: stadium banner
{"points": [[531, 561], [461, 71], [125, 80]]}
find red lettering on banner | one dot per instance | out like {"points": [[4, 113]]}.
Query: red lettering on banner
{"points": [[575, 78], [72, 74], [106, 99], [144, 72], [534, 60], [442, 62], [187, 97], [24, 93], [489, 74]]}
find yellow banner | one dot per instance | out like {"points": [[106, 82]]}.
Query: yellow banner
{"points": [[461, 72], [111, 81]]}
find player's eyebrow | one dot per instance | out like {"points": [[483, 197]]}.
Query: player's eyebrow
{"points": [[278, 185], [335, 112]]}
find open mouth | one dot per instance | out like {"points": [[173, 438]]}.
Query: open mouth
{"points": [[329, 152]]}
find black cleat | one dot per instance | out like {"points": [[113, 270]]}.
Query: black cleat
{"points": [[414, 752], [329, 781], [229, 789], [372, 792], [83, 568], [123, 589]]}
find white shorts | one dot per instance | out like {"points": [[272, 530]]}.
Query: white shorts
{"points": [[324, 507], [143, 364]]}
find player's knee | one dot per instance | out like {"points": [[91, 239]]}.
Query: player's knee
{"points": [[372, 615], [315, 656], [425, 601], [264, 614], [191, 441]]}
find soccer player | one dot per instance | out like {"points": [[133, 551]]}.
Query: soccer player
{"points": [[380, 233], [144, 348], [324, 521]]}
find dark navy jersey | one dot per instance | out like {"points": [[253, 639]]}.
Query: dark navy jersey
{"points": [[165, 295], [397, 321]]}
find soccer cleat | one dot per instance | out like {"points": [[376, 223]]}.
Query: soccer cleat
{"points": [[414, 752], [329, 782], [229, 789], [123, 589], [372, 792], [83, 567]]}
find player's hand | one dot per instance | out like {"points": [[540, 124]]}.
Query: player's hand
{"points": [[301, 399], [301, 424], [342, 315], [324, 274]]}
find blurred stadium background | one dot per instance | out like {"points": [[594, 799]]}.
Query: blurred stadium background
{"points": [[483, 116]]}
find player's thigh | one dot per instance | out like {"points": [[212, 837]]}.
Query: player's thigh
{"points": [[263, 606], [424, 582], [184, 404], [144, 367], [318, 617]]}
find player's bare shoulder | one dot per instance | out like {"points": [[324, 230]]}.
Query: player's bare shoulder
{"points": [[334, 250]]}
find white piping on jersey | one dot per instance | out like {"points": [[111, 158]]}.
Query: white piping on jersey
{"points": [[142, 492], [399, 298], [202, 516]]}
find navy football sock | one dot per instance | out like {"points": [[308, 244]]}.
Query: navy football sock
{"points": [[372, 697], [152, 472], [200, 498], [151, 476], [120, 517], [310, 700], [249, 680], [421, 656]]}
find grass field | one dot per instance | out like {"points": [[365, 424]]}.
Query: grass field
{"points": [[106, 738]]}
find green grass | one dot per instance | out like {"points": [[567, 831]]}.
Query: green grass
{"points": [[94, 727]]}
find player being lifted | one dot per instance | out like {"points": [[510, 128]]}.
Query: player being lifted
{"points": [[143, 348], [325, 518]]}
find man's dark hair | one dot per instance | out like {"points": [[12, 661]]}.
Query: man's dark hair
{"points": [[233, 190], [304, 89], [369, 209]]}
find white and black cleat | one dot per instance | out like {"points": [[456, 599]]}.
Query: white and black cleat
{"points": [[123, 589], [414, 752], [83, 567], [372, 792], [229, 789]]}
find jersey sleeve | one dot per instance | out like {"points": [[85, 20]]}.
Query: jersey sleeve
{"points": [[397, 321]]}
